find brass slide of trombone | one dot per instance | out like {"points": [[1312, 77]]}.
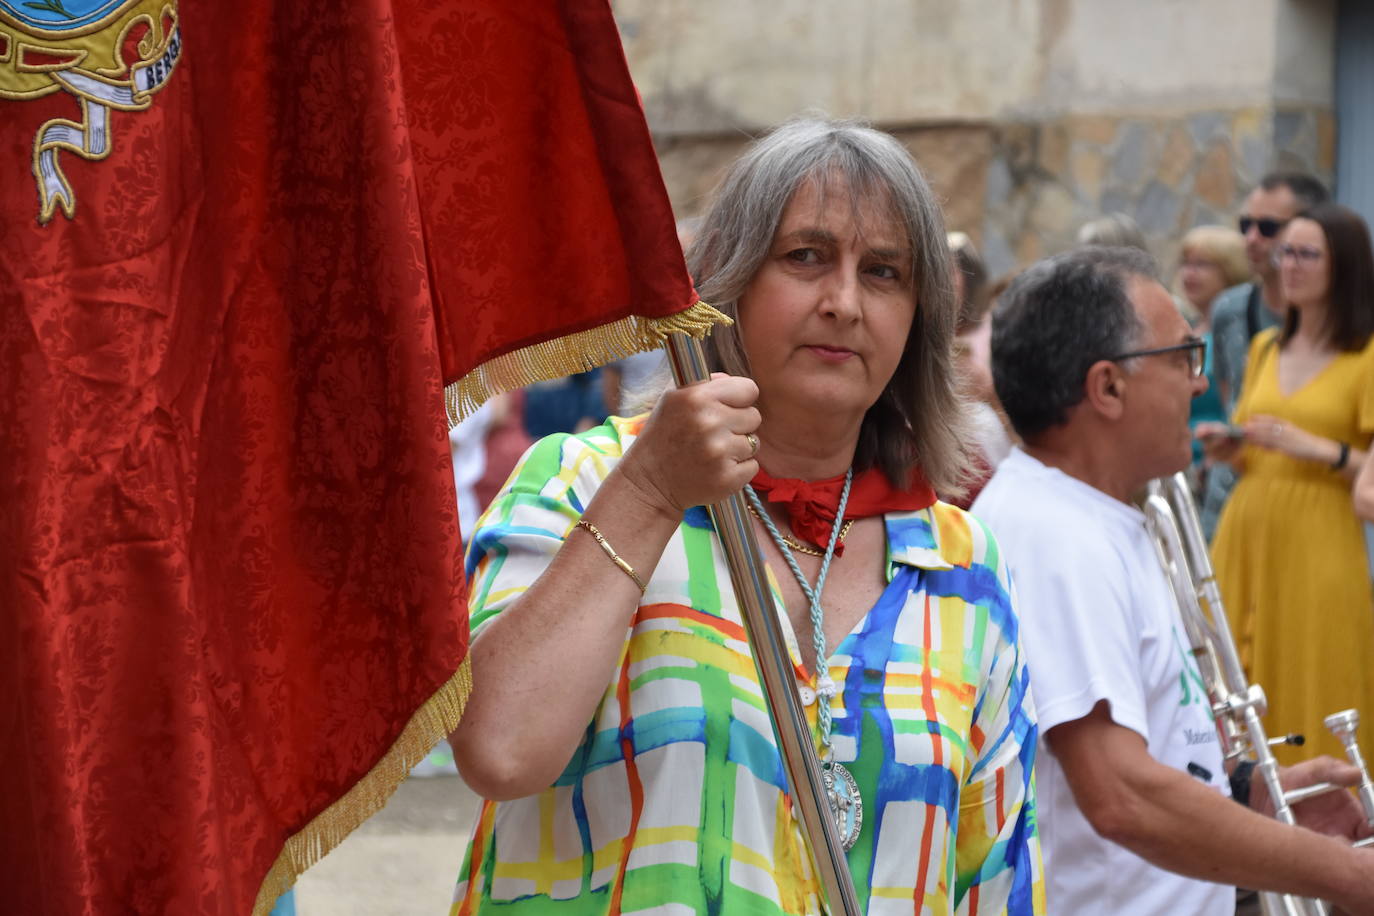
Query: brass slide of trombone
{"points": [[1237, 705]]}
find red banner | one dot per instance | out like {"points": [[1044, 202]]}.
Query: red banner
{"points": [[544, 211], [241, 251]]}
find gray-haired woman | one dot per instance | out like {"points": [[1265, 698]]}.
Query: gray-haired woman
{"points": [[617, 725]]}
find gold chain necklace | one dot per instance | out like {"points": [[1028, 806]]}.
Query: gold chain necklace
{"points": [[805, 548]]}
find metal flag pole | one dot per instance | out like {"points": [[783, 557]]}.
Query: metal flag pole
{"points": [[763, 627]]}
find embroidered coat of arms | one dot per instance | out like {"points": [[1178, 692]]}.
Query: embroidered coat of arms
{"points": [[110, 55]]}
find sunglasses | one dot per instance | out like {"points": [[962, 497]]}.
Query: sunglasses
{"points": [[1267, 227]]}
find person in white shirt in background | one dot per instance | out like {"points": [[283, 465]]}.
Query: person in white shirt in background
{"points": [[467, 445], [1096, 369]]}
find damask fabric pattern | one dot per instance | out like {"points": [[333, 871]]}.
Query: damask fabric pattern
{"points": [[230, 571], [674, 802], [540, 188], [231, 568], [1290, 555]]}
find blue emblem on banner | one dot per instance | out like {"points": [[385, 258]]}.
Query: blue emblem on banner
{"points": [[59, 15]]}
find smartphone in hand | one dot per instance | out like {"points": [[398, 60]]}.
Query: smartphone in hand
{"points": [[1216, 433]]}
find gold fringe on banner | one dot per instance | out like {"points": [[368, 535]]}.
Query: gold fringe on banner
{"points": [[434, 720], [574, 353]]}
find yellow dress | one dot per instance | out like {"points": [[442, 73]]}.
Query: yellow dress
{"points": [[1291, 559]]}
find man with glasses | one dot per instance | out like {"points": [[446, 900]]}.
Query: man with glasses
{"points": [[1241, 312], [1096, 369]]}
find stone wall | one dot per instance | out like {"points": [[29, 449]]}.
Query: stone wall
{"points": [[1021, 189], [712, 67], [1029, 117], [1169, 172], [956, 159]]}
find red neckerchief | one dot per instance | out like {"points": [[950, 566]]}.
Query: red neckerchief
{"points": [[811, 504]]}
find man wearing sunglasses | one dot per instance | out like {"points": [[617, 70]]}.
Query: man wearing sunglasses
{"points": [[1096, 369], [1243, 311]]}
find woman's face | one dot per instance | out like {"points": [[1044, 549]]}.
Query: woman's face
{"points": [[1201, 279], [1304, 263], [826, 318]]}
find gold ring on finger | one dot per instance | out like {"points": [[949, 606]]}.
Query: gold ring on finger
{"points": [[753, 445]]}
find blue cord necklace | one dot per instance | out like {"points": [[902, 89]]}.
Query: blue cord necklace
{"points": [[842, 792]]}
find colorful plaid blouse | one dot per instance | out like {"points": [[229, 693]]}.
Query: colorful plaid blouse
{"points": [[675, 803]]}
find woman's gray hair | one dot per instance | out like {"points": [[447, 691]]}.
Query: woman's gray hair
{"points": [[920, 417]]}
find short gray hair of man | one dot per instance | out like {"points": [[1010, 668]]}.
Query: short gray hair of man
{"points": [[919, 418], [1056, 319]]}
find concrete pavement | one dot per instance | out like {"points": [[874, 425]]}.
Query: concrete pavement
{"points": [[402, 862]]}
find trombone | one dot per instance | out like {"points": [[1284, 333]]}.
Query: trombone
{"points": [[1237, 705]]}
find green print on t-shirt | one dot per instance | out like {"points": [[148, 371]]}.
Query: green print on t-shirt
{"points": [[1191, 689]]}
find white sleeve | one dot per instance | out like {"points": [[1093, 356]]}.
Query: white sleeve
{"points": [[1082, 639]]}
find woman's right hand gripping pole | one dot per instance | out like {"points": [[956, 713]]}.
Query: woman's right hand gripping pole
{"points": [[543, 664]]}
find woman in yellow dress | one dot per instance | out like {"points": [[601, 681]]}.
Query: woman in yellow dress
{"points": [[1289, 551]]}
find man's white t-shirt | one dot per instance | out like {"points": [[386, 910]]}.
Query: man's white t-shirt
{"points": [[1099, 622]]}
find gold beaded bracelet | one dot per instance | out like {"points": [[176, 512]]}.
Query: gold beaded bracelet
{"points": [[610, 552]]}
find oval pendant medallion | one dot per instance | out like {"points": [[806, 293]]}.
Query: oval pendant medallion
{"points": [[846, 807]]}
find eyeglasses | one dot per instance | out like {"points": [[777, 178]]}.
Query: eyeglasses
{"points": [[1267, 227], [1194, 347], [1304, 254]]}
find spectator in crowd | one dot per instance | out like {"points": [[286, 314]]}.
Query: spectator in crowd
{"points": [[1112, 230], [1212, 260], [970, 281], [467, 444], [1242, 311], [972, 331], [1121, 231], [506, 441], [1096, 367], [627, 381], [633, 382], [565, 405], [1289, 551]]}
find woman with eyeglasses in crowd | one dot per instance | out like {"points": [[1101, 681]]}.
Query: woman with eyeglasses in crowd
{"points": [[1289, 552]]}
